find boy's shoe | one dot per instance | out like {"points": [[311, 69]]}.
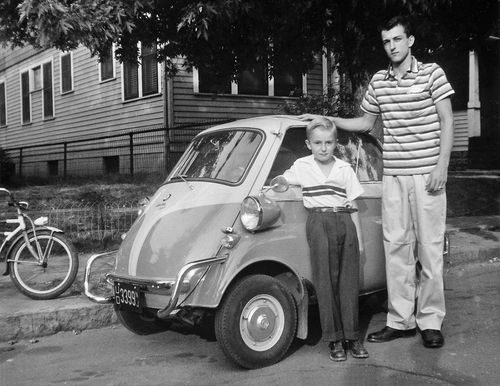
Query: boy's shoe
{"points": [[357, 349], [337, 352]]}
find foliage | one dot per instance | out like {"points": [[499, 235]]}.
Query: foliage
{"points": [[228, 34], [334, 102], [6, 168]]}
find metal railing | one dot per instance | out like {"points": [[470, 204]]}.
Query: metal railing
{"points": [[151, 151]]}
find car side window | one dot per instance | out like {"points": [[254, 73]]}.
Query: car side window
{"points": [[360, 150], [292, 147]]}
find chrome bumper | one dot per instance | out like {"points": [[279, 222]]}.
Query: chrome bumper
{"points": [[176, 285], [86, 282]]}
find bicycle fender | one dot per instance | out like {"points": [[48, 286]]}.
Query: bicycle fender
{"points": [[13, 242], [51, 229], [18, 237]]}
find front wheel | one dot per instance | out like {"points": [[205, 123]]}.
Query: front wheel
{"points": [[47, 280], [256, 322]]}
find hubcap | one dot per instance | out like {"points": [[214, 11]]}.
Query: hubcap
{"points": [[262, 322]]}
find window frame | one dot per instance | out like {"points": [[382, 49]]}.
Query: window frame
{"points": [[140, 82], [32, 88], [71, 73]]}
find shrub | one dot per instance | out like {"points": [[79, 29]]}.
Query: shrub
{"points": [[7, 168], [334, 102]]}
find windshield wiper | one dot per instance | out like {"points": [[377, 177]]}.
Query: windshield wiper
{"points": [[183, 178]]}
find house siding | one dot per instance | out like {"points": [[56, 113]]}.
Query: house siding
{"points": [[461, 131], [188, 106], [92, 109]]}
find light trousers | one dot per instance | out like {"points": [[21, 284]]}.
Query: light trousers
{"points": [[414, 222]]}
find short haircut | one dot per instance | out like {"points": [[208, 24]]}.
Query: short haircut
{"points": [[397, 20], [322, 124]]}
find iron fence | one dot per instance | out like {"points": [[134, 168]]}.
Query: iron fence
{"points": [[151, 151], [86, 224]]}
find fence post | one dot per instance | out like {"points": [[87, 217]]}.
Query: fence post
{"points": [[65, 161], [20, 162], [131, 151]]}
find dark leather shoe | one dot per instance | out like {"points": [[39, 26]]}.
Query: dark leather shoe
{"points": [[357, 349], [387, 334], [337, 351], [432, 338]]}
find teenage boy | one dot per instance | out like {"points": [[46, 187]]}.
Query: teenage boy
{"points": [[413, 100], [329, 187]]}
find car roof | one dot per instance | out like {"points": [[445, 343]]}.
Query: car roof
{"points": [[267, 123], [274, 123]]}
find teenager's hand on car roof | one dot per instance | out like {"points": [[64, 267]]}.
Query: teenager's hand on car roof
{"points": [[308, 117]]}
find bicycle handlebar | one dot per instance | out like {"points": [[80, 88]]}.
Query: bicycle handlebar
{"points": [[13, 202]]}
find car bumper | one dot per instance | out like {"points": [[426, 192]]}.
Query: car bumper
{"points": [[170, 290]]}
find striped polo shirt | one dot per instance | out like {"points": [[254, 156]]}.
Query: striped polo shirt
{"points": [[408, 110], [340, 188]]}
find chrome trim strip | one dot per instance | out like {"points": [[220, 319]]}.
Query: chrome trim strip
{"points": [[86, 282]]}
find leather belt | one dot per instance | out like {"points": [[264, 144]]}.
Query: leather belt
{"points": [[332, 209]]}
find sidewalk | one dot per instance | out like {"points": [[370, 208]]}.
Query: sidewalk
{"points": [[472, 239]]}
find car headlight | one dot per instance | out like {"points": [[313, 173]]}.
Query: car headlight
{"points": [[258, 213], [143, 203]]}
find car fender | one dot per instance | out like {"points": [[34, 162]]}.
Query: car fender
{"points": [[212, 289]]}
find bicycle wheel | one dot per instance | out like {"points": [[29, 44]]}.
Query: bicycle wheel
{"points": [[44, 282]]}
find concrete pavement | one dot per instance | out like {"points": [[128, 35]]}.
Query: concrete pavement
{"points": [[472, 239]]}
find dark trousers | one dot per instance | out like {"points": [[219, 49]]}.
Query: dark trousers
{"points": [[333, 244]]}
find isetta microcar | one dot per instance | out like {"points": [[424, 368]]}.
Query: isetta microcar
{"points": [[222, 239]]}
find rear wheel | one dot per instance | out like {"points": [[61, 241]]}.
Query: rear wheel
{"points": [[256, 322], [47, 280], [140, 324]]}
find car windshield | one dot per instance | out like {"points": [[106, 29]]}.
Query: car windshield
{"points": [[221, 155]]}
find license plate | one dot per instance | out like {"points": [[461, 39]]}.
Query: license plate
{"points": [[128, 296]]}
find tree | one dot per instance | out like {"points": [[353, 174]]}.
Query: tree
{"points": [[227, 34]]}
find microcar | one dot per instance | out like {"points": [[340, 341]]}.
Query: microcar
{"points": [[222, 240]]}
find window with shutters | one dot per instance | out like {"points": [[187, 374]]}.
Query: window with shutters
{"points": [[107, 65], [37, 82], [3, 105], [66, 72], [141, 78]]}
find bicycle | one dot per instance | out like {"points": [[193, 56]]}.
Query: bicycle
{"points": [[41, 261]]}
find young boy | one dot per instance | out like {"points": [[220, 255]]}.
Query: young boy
{"points": [[329, 187]]}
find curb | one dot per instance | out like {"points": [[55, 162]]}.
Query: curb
{"points": [[49, 322]]}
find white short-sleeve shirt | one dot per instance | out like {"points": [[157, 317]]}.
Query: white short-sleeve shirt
{"points": [[340, 188]]}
